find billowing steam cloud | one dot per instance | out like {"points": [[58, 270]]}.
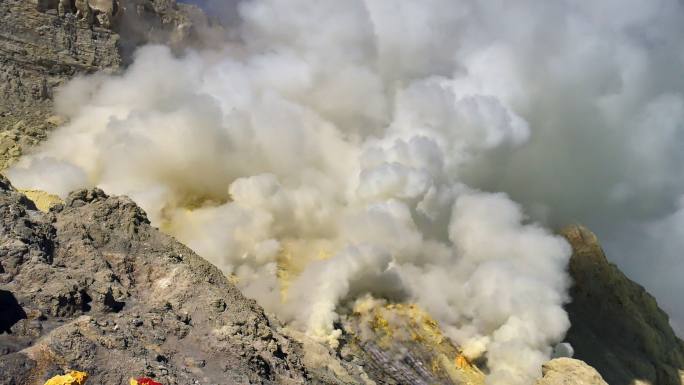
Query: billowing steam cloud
{"points": [[600, 85], [342, 148]]}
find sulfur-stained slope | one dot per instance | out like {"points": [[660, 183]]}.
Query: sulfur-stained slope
{"points": [[402, 344]]}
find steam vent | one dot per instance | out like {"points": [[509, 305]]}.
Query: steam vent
{"points": [[359, 192]]}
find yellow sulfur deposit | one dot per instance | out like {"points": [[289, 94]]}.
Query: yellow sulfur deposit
{"points": [[71, 378], [461, 362], [414, 329], [43, 201], [391, 319]]}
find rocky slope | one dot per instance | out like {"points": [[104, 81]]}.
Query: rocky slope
{"points": [[617, 327], [92, 286]]}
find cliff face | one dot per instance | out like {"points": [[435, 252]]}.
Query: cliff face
{"points": [[401, 344], [42, 45], [92, 286], [38, 52], [617, 327]]}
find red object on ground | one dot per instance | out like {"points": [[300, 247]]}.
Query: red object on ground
{"points": [[147, 381]]}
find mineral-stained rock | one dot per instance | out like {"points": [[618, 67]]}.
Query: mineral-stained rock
{"points": [[95, 288], [402, 344], [70, 378], [566, 371], [41, 199], [617, 327]]}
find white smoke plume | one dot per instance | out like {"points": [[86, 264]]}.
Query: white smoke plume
{"points": [[603, 94], [348, 145]]}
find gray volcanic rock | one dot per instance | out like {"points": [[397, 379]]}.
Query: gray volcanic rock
{"points": [[92, 286], [159, 22], [617, 327]]}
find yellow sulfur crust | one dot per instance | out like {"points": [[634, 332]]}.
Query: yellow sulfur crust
{"points": [[71, 378], [43, 201]]}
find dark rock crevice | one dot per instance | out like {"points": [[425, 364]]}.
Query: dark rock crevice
{"points": [[11, 312]]}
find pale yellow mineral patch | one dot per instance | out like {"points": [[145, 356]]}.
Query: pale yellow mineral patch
{"points": [[43, 200], [391, 324], [56, 120]]}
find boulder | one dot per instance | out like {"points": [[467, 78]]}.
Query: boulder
{"points": [[567, 371]]}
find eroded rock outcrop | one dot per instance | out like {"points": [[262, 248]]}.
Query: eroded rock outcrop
{"points": [[617, 327]]}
